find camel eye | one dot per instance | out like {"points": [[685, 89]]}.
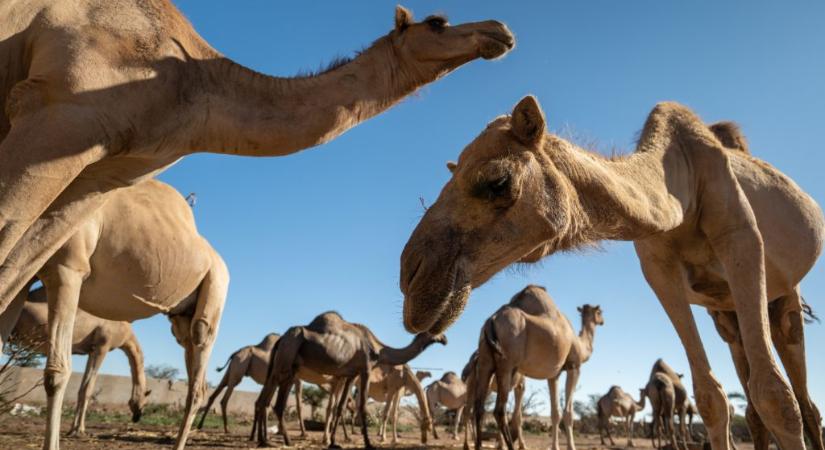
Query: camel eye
{"points": [[436, 23], [494, 189]]}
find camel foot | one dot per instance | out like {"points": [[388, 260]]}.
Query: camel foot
{"points": [[334, 446], [76, 433]]}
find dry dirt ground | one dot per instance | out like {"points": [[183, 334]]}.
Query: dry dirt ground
{"points": [[26, 433]]}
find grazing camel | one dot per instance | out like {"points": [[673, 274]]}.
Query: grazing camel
{"points": [[681, 398], [101, 94], [388, 384], [451, 392], [531, 336], [618, 403], [331, 346], [91, 336], [662, 395], [250, 361], [712, 226], [137, 256]]}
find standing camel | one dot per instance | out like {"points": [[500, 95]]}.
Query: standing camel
{"points": [[250, 361], [711, 224], [531, 336], [681, 398], [451, 392], [331, 346], [662, 397], [618, 403], [137, 256], [388, 384], [91, 336], [101, 94]]}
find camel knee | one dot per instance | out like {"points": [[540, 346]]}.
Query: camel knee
{"points": [[202, 333], [774, 400], [712, 404], [55, 379]]}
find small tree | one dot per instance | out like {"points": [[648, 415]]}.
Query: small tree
{"points": [[314, 397], [20, 351], [162, 372]]}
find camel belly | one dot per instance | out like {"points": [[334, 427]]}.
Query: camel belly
{"points": [[545, 351]]}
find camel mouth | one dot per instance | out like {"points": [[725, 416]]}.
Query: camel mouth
{"points": [[440, 309], [453, 307], [496, 44]]}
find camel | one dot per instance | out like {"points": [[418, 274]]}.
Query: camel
{"points": [[531, 336], [250, 361], [100, 94], [388, 384], [517, 385], [662, 395], [329, 345], [680, 401], [711, 224], [91, 336], [618, 403], [451, 392], [137, 256]]}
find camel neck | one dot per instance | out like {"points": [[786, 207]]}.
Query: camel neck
{"points": [[252, 114], [623, 198], [641, 403], [135, 356], [397, 356], [586, 336]]}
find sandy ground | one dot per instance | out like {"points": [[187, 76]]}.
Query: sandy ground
{"points": [[26, 433]]}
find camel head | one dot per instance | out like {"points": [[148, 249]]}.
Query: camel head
{"points": [[437, 47], [506, 202], [137, 403], [422, 374], [591, 314]]}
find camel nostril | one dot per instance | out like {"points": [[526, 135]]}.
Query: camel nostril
{"points": [[411, 277]]}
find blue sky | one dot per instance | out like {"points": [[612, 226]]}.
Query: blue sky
{"points": [[324, 229]]}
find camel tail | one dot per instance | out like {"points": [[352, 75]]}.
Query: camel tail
{"points": [[808, 312], [730, 135], [226, 363], [491, 337]]}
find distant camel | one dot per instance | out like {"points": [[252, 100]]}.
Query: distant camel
{"points": [[91, 336], [388, 384], [451, 392], [529, 335], [662, 397], [617, 403], [329, 345]]}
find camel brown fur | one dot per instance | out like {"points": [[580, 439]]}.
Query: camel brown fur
{"points": [[712, 226], [448, 391], [662, 397], [618, 403], [100, 94], [387, 385], [331, 346], [137, 256], [531, 336], [91, 336], [250, 361], [681, 400]]}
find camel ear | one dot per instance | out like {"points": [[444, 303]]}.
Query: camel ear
{"points": [[681, 375], [403, 18], [528, 121], [147, 393], [451, 166], [579, 308]]}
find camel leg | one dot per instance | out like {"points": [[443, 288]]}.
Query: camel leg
{"points": [[299, 389], [459, 413], [516, 421], [280, 409], [396, 400], [87, 386], [38, 160], [203, 329], [333, 394], [339, 407], [261, 406], [382, 427], [666, 280], [788, 333], [363, 390], [569, 386], [484, 372], [431, 406], [504, 379], [629, 428], [728, 328], [555, 417], [218, 389], [9, 317]]}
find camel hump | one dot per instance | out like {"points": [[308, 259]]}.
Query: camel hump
{"points": [[730, 135], [449, 376], [533, 300]]}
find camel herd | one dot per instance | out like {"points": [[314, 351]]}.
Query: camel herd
{"points": [[99, 96]]}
